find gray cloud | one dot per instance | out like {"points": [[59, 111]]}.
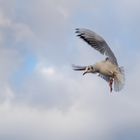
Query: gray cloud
{"points": [[52, 101]]}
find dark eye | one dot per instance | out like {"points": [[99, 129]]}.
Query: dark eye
{"points": [[88, 68]]}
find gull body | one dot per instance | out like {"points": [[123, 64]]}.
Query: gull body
{"points": [[107, 69]]}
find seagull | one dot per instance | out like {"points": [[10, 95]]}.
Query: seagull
{"points": [[107, 69]]}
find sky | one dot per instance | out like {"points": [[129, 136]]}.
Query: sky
{"points": [[41, 97]]}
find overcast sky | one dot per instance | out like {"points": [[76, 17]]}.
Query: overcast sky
{"points": [[41, 97]]}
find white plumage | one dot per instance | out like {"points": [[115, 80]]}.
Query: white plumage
{"points": [[107, 69]]}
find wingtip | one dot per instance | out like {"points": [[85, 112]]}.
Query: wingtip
{"points": [[79, 33], [77, 30]]}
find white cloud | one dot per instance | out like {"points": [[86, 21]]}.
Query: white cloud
{"points": [[55, 102], [32, 124], [20, 31], [48, 71]]}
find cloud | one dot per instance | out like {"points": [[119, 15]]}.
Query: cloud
{"points": [[4, 22], [42, 123], [50, 71], [11, 58], [41, 96]]}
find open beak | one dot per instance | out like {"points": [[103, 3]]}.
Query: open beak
{"points": [[84, 72], [80, 68]]}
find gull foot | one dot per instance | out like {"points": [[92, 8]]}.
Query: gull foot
{"points": [[110, 84]]}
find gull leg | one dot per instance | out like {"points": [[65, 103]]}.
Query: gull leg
{"points": [[110, 84]]}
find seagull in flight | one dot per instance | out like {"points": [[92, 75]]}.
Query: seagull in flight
{"points": [[107, 69]]}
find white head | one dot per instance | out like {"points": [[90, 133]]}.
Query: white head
{"points": [[89, 69]]}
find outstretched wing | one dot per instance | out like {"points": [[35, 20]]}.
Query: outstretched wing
{"points": [[97, 42]]}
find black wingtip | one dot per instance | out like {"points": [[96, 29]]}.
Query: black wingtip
{"points": [[77, 30], [79, 33]]}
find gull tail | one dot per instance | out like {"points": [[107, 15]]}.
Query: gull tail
{"points": [[119, 80], [78, 68]]}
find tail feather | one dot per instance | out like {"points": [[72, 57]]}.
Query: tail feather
{"points": [[119, 80]]}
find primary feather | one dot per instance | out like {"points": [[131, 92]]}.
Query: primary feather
{"points": [[97, 42]]}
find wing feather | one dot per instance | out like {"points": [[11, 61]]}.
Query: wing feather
{"points": [[97, 42], [119, 80], [106, 78]]}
